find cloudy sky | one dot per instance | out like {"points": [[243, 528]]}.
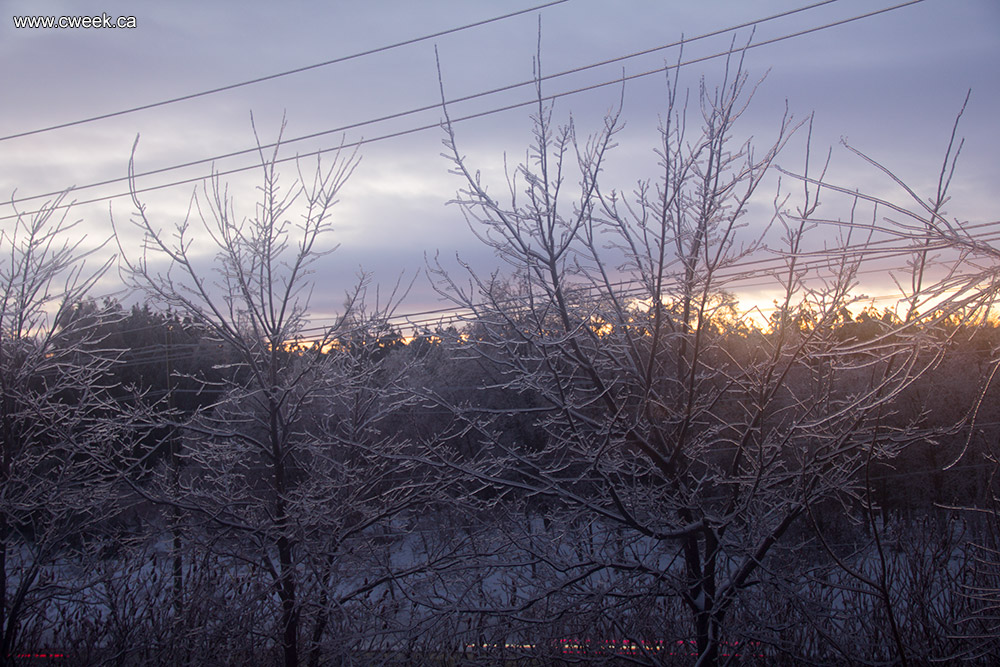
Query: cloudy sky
{"points": [[890, 84]]}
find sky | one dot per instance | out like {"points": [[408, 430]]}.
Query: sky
{"points": [[890, 85]]}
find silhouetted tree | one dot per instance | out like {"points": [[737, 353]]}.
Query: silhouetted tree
{"points": [[681, 446], [58, 425]]}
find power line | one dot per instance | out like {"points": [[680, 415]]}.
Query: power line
{"points": [[632, 287], [278, 75], [430, 107], [392, 135], [148, 355], [891, 251]]}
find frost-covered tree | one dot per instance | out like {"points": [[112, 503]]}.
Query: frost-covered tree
{"points": [[684, 447], [58, 428], [948, 289], [288, 475]]}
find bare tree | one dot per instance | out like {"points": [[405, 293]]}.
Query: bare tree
{"points": [[683, 444], [57, 426], [288, 475], [948, 289]]}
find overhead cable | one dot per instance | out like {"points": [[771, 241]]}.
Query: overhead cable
{"points": [[430, 107], [392, 135], [278, 75]]}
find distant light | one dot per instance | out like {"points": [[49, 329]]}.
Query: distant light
{"points": [[627, 647]]}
